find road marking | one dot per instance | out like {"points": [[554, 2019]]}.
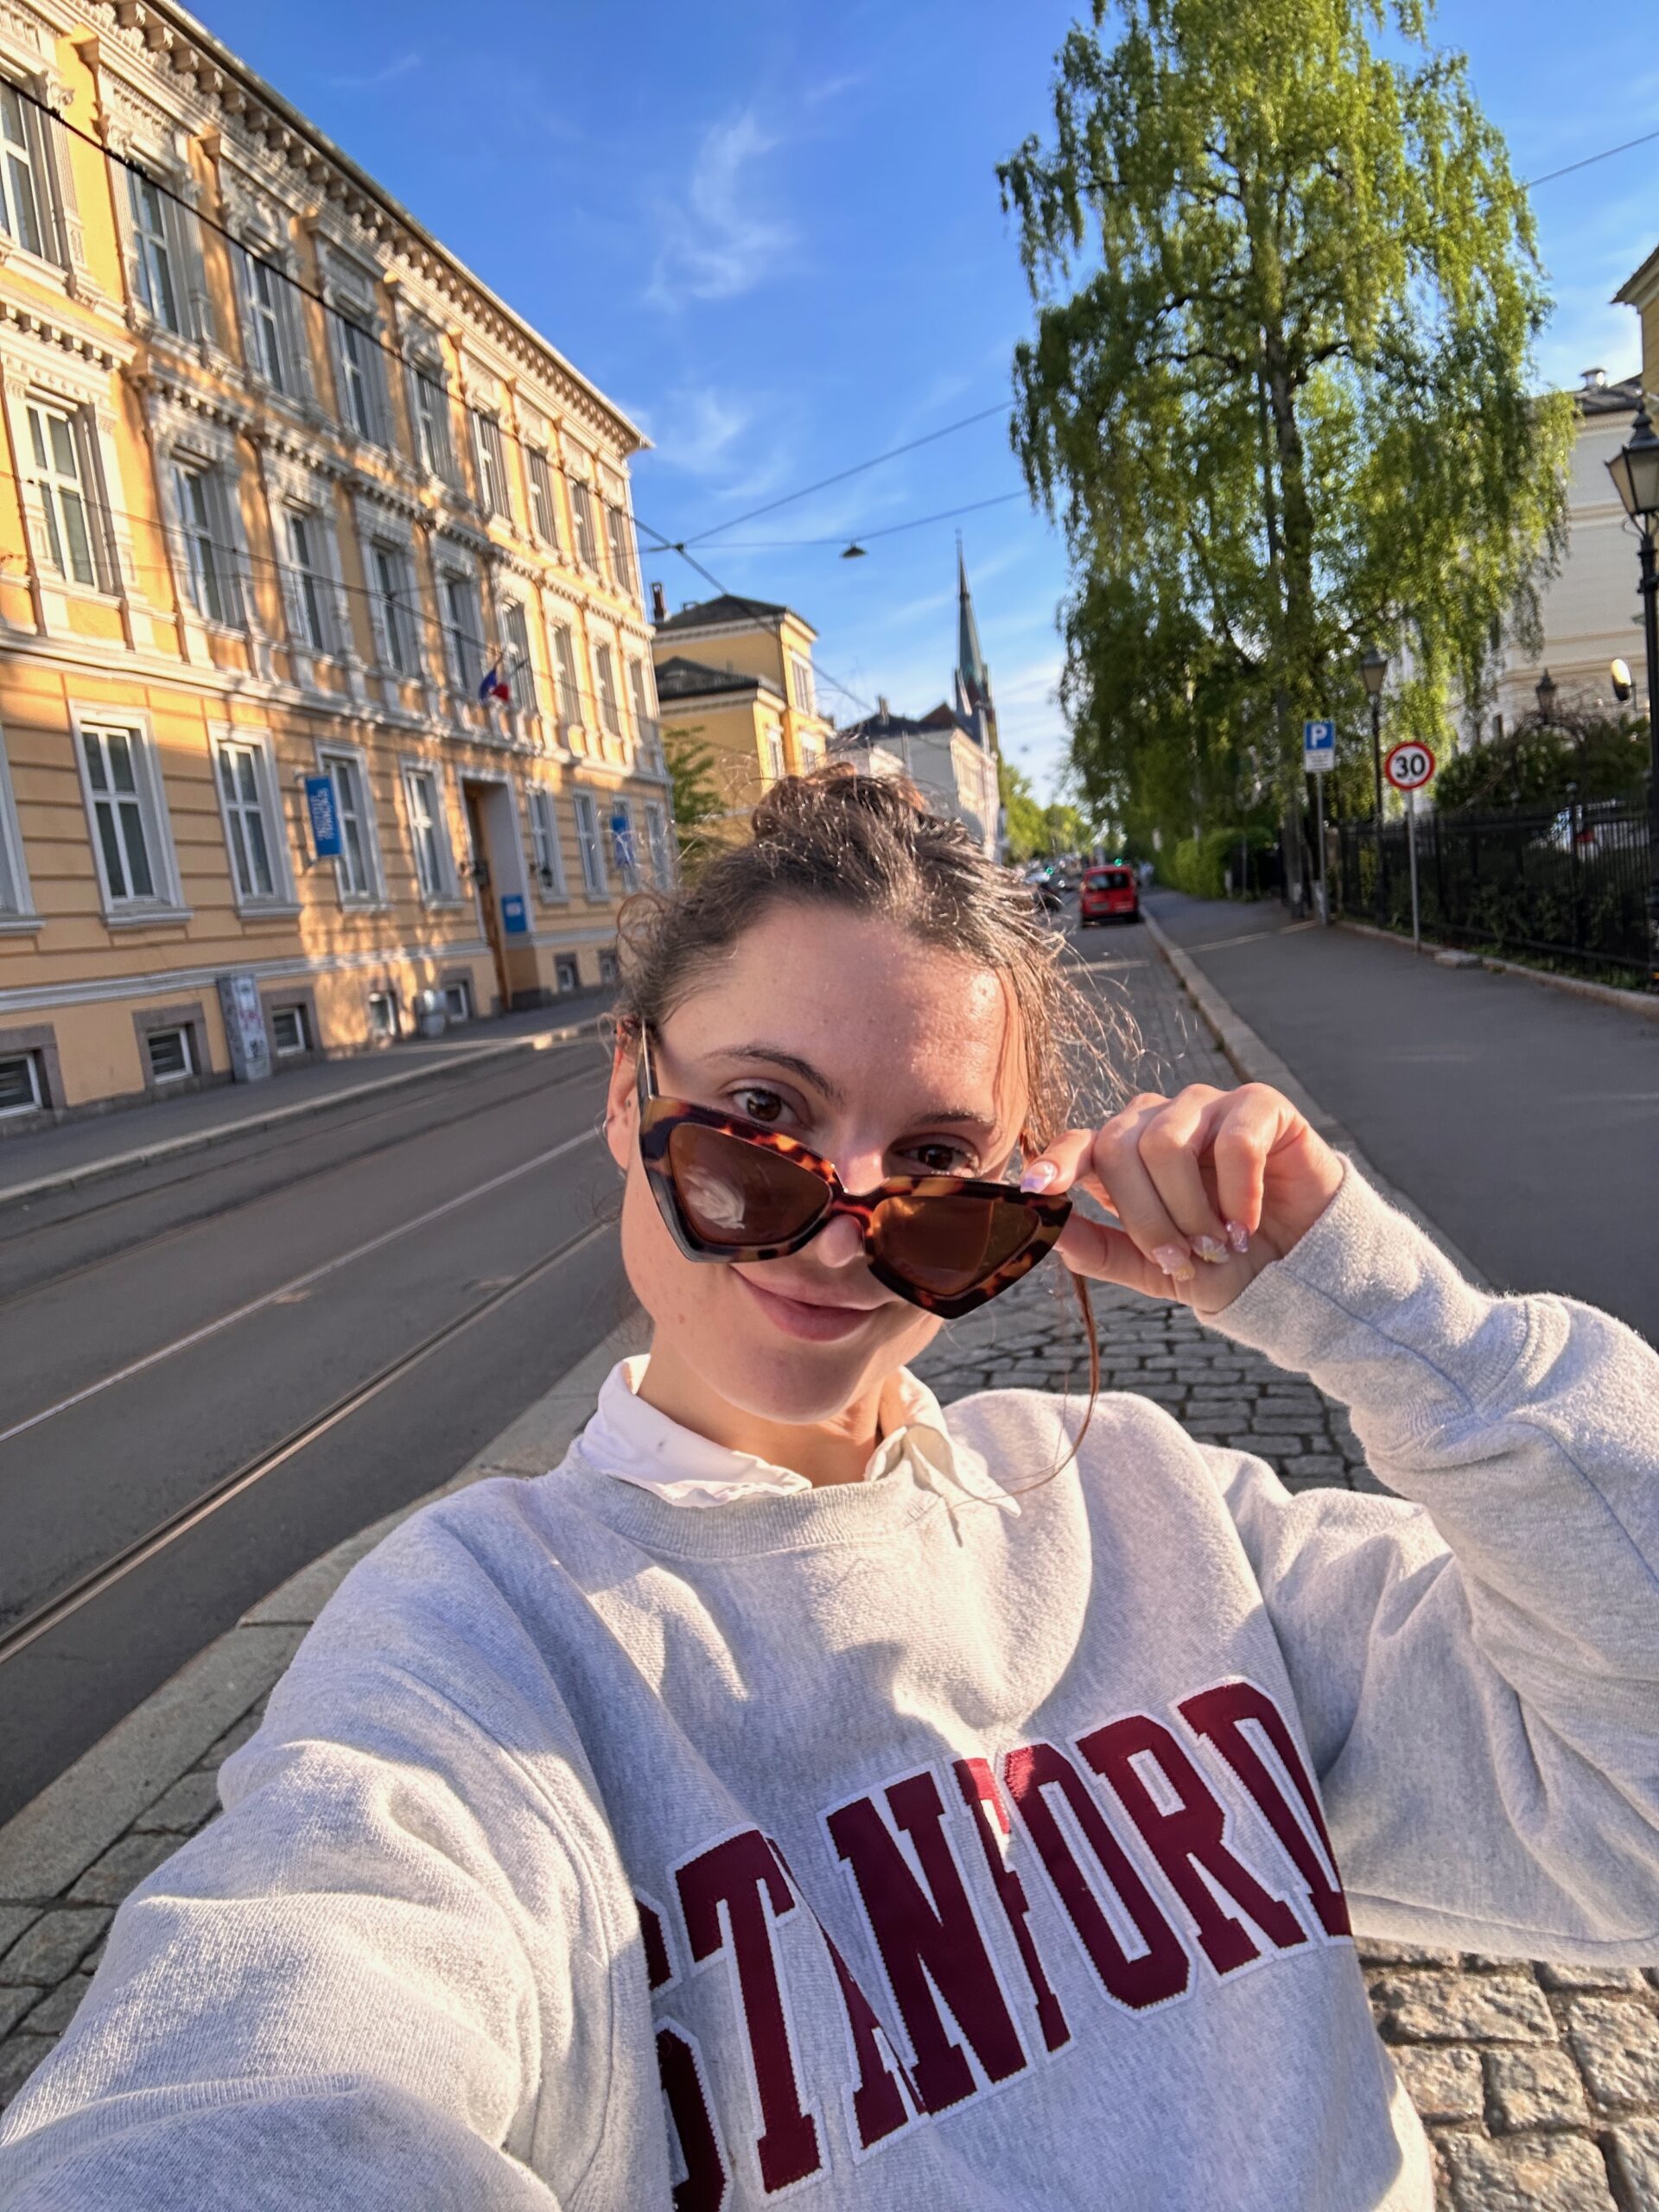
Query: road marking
{"points": [[1249, 937], [285, 1292]]}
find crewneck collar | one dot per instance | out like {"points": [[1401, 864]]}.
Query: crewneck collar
{"points": [[636, 1443]]}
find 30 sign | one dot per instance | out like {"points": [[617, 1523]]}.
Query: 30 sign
{"points": [[1409, 766]]}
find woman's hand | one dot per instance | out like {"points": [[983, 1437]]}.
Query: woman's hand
{"points": [[1209, 1187]]}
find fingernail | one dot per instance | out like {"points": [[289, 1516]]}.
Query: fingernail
{"points": [[1175, 1259], [1208, 1248], [1038, 1176], [1238, 1237]]}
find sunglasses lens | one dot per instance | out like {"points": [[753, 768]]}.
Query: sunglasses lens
{"points": [[948, 1245], [739, 1194]]}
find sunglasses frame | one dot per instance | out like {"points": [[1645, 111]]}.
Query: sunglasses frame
{"points": [[659, 1117]]}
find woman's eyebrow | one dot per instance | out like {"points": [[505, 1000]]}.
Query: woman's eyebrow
{"points": [[776, 1056]]}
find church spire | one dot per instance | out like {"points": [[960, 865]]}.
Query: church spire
{"points": [[973, 677]]}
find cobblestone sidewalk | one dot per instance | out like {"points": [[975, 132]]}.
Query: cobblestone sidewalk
{"points": [[1540, 2084]]}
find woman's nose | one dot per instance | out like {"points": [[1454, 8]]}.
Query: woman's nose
{"points": [[838, 1243]]}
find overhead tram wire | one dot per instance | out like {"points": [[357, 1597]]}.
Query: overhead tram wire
{"points": [[863, 537]]}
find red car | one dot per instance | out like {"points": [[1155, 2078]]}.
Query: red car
{"points": [[1108, 894]]}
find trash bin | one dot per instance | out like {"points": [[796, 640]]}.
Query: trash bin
{"points": [[431, 1016]]}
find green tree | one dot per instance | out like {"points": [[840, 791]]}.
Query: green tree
{"points": [[1027, 831], [695, 795], [1603, 756], [1278, 393]]}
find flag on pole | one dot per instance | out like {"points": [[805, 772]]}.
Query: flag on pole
{"points": [[494, 685]]}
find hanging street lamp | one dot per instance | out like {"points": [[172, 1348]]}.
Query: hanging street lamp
{"points": [[1544, 691], [1374, 668], [1635, 471]]}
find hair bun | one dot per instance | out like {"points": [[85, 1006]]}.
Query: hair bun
{"points": [[795, 801]]}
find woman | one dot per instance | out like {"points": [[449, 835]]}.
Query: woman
{"points": [[804, 1793]]}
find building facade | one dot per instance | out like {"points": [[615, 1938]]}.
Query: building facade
{"points": [[322, 656], [1641, 292], [735, 675]]}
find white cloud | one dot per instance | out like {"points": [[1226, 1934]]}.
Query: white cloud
{"points": [[718, 238], [386, 74]]}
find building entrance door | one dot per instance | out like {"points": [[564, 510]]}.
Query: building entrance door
{"points": [[485, 886]]}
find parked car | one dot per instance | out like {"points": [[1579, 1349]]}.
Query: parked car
{"points": [[1108, 894]]}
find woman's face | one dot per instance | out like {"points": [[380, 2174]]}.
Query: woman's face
{"points": [[883, 1055]]}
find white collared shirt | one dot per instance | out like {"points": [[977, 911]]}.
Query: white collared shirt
{"points": [[634, 1441]]}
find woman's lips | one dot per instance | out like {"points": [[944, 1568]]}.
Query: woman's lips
{"points": [[798, 1318]]}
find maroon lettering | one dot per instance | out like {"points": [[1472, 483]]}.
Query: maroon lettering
{"points": [[929, 1940], [702, 2189], [984, 1803], [1162, 1970], [739, 1886], [658, 1969], [1190, 1838], [1218, 1714]]}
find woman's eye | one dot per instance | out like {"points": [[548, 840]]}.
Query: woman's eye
{"points": [[942, 1160], [755, 1104]]}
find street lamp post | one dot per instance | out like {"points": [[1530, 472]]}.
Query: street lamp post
{"points": [[1544, 692], [1374, 668], [1635, 471]]}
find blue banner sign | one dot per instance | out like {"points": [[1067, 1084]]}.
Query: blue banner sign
{"points": [[514, 920], [324, 816], [1319, 745]]}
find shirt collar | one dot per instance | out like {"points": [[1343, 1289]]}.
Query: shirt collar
{"points": [[634, 1441]]}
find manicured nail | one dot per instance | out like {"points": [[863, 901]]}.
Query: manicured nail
{"points": [[1175, 1259], [1038, 1176], [1208, 1248], [1238, 1237]]}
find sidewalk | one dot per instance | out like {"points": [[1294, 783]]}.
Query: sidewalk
{"points": [[1523, 1120], [131, 1136], [1540, 2085]]}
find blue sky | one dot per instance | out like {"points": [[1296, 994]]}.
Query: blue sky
{"points": [[772, 233]]}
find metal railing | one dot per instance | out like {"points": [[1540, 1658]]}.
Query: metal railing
{"points": [[1567, 883]]}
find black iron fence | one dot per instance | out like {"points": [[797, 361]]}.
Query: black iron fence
{"points": [[1567, 882]]}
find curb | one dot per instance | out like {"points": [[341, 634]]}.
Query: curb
{"points": [[96, 1171], [1256, 1061], [56, 1837], [1643, 1005]]}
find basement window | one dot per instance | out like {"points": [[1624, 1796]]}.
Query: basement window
{"points": [[21, 1090], [458, 1002], [169, 1055], [383, 1014], [290, 1031], [567, 975]]}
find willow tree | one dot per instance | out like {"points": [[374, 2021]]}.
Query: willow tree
{"points": [[1280, 389]]}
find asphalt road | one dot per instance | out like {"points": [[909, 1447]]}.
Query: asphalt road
{"points": [[1522, 1120], [217, 1367]]}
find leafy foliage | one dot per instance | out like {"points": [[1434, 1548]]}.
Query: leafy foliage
{"points": [[1287, 294], [1034, 830], [696, 799], [1604, 756]]}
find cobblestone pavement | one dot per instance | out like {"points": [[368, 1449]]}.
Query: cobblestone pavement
{"points": [[1539, 2084]]}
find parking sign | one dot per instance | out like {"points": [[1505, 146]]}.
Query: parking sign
{"points": [[1318, 747]]}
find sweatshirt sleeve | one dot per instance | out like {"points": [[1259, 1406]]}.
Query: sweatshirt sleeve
{"points": [[1478, 1666], [387, 1976]]}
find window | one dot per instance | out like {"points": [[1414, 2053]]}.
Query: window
{"points": [[313, 587], [772, 738], [243, 793], [393, 588], [19, 193], [383, 1014], [542, 512], [605, 685], [290, 1030], [362, 393], [432, 396], [521, 676], [14, 898], [153, 270], [121, 800], [582, 505], [623, 852], [800, 677], [428, 832], [458, 1002], [22, 1088], [644, 723], [616, 525], [811, 751], [267, 339], [210, 580], [593, 865], [170, 1058], [564, 672], [544, 841], [352, 868], [492, 464], [657, 837], [608, 970], [463, 631], [58, 442], [567, 975]]}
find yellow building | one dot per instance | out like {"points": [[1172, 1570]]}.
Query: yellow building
{"points": [[1641, 292], [284, 491], [736, 675]]}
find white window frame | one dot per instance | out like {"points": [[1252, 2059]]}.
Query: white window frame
{"points": [[159, 253], [631, 874], [802, 685], [430, 417], [16, 900], [582, 515], [516, 656], [302, 1013], [330, 756], [181, 1031], [164, 901], [257, 742], [45, 485], [426, 792], [464, 674], [595, 880], [213, 525], [394, 610], [777, 764], [273, 341], [566, 679], [47, 178], [490, 459], [619, 531], [662, 865], [543, 496], [546, 852], [605, 691], [37, 1102], [314, 607], [360, 382]]}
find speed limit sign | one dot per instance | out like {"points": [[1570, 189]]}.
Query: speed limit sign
{"points": [[1410, 767]]}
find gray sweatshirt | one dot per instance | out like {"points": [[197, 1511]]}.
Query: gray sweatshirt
{"points": [[875, 1846]]}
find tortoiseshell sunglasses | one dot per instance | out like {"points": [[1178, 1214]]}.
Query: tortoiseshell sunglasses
{"points": [[730, 1190]]}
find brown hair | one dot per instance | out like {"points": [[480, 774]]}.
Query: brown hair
{"points": [[868, 845]]}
